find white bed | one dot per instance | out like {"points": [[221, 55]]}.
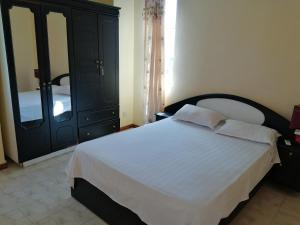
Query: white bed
{"points": [[31, 106], [173, 173]]}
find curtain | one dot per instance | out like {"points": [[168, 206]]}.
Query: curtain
{"points": [[154, 55]]}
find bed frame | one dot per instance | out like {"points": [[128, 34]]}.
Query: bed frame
{"points": [[56, 80], [115, 214]]}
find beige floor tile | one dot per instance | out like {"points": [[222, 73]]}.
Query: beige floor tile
{"points": [[95, 221], [291, 204], [283, 218], [14, 217]]}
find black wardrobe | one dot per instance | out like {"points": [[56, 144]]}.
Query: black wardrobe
{"points": [[62, 58]]}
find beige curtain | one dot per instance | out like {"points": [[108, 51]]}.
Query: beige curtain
{"points": [[154, 55]]}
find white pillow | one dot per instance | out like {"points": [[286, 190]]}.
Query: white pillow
{"points": [[248, 131], [63, 90], [65, 81], [199, 115]]}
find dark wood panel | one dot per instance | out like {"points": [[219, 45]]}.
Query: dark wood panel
{"points": [[286, 173], [86, 45], [33, 138], [99, 203], [63, 127], [90, 40], [77, 4], [108, 37], [90, 117], [98, 130]]}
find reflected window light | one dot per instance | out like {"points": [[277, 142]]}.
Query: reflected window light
{"points": [[169, 32], [58, 108]]}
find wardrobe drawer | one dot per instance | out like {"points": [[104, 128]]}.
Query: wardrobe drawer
{"points": [[98, 130], [91, 117]]}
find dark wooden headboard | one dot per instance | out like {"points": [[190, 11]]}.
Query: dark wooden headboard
{"points": [[56, 80], [272, 119]]}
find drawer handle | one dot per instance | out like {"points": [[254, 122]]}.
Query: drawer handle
{"points": [[88, 134], [87, 119]]}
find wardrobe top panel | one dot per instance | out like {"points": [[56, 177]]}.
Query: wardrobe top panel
{"points": [[76, 4]]}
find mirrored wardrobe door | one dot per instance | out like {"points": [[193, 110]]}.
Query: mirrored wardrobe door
{"points": [[59, 66], [23, 34], [60, 76], [24, 42]]}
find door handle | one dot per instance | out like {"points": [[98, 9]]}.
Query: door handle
{"points": [[49, 85], [44, 85], [102, 68]]}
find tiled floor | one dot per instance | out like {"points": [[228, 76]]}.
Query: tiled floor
{"points": [[40, 195]]}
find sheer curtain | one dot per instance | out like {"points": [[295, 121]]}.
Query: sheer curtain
{"points": [[154, 57]]}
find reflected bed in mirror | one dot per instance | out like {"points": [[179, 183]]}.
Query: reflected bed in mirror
{"points": [[59, 64], [61, 99], [30, 103]]}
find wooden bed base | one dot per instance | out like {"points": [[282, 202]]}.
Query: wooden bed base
{"points": [[115, 214]]}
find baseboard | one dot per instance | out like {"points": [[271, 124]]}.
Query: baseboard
{"points": [[49, 156], [128, 127], [3, 166]]}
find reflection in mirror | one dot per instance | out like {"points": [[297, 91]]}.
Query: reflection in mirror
{"points": [[26, 64], [59, 65]]}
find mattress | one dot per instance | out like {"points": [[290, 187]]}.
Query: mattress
{"points": [[31, 106], [173, 173]]}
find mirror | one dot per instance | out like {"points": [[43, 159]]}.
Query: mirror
{"points": [[59, 65], [26, 64]]}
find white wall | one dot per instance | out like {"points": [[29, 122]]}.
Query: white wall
{"points": [[58, 44], [126, 60], [247, 48], [138, 116], [2, 159], [25, 49], [6, 113]]}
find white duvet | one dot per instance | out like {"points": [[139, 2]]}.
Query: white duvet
{"points": [[31, 106], [173, 173]]}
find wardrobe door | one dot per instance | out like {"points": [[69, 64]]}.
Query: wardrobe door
{"points": [[108, 48], [23, 35], [87, 63], [60, 75]]}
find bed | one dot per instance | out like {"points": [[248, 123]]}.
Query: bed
{"points": [[30, 101], [30, 105], [174, 172]]}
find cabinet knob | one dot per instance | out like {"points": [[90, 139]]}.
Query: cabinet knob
{"points": [[113, 113], [102, 69], [88, 133], [291, 154], [87, 119], [114, 126]]}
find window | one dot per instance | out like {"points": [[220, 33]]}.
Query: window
{"points": [[169, 37]]}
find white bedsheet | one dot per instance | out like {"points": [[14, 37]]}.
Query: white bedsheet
{"points": [[173, 173], [31, 106]]}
